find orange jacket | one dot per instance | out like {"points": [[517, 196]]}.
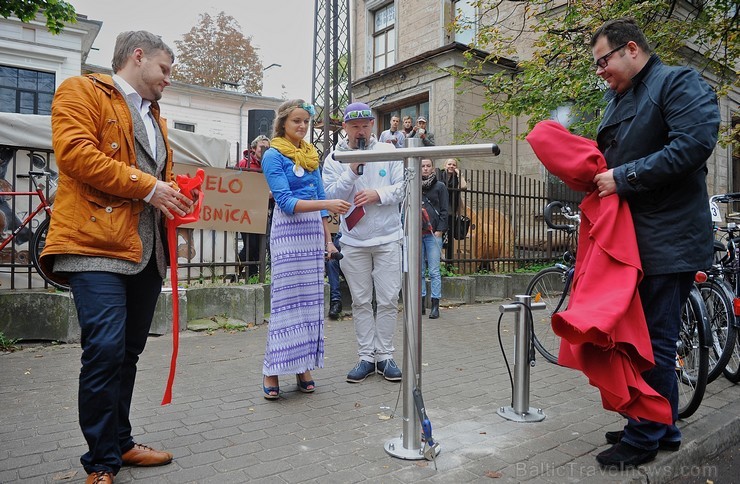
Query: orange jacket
{"points": [[101, 189]]}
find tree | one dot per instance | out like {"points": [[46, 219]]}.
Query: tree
{"points": [[215, 52], [56, 12], [560, 71]]}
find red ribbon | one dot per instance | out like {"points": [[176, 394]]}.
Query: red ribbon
{"points": [[186, 185]]}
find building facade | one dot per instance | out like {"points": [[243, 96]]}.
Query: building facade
{"points": [[401, 53], [34, 62]]}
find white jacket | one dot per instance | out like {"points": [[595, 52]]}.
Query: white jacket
{"points": [[382, 222]]}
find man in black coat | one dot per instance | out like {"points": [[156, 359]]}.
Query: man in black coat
{"points": [[658, 131]]}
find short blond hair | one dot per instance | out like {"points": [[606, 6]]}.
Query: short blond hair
{"points": [[127, 42]]}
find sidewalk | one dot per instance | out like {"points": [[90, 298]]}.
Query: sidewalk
{"points": [[221, 429]]}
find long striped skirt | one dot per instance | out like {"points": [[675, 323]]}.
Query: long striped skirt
{"points": [[295, 338]]}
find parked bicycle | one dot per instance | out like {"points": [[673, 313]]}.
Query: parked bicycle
{"points": [[725, 272], [552, 286], [692, 353], [38, 239]]}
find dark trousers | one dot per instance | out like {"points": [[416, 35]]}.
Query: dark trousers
{"points": [[662, 297], [250, 252], [332, 273], [115, 313]]}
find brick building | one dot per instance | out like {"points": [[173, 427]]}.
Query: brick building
{"points": [[400, 50]]}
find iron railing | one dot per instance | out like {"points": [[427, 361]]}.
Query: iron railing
{"points": [[507, 229]]}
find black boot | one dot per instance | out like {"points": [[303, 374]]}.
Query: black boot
{"points": [[434, 313], [335, 310], [423, 304]]}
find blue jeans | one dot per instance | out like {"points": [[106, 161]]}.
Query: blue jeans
{"points": [[662, 299], [115, 313], [332, 273], [431, 252]]}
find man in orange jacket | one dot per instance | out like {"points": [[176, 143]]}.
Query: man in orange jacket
{"points": [[115, 183]]}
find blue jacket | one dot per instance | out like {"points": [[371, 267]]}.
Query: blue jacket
{"points": [[658, 136], [287, 186]]}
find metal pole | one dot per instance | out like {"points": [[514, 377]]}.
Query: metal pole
{"points": [[326, 115], [408, 445], [520, 410], [360, 156]]}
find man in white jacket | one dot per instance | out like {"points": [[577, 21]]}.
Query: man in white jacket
{"points": [[371, 241]]}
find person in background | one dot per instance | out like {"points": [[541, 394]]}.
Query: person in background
{"points": [[333, 271], [252, 161], [299, 239], [434, 203], [106, 235], [455, 182], [659, 128], [393, 135], [420, 131], [408, 126], [371, 241]]}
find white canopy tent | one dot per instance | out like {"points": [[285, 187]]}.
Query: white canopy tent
{"points": [[26, 138], [28, 131]]}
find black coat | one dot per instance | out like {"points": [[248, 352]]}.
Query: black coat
{"points": [[437, 197], [658, 136]]}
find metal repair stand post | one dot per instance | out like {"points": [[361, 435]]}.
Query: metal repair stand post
{"points": [[408, 446], [520, 410]]}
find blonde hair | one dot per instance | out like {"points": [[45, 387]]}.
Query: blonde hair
{"points": [[127, 42], [259, 138]]}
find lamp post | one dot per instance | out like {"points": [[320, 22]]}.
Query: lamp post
{"points": [[265, 69]]}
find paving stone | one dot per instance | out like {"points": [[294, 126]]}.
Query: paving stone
{"points": [[221, 429]]}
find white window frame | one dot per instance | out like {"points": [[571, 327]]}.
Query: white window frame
{"points": [[468, 36], [388, 33]]}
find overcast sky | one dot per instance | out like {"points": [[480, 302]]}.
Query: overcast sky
{"points": [[281, 30]]}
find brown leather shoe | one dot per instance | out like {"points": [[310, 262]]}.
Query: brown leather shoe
{"points": [[144, 456], [100, 477]]}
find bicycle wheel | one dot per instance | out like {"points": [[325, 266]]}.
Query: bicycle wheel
{"points": [[37, 245], [718, 301], [732, 368], [548, 286], [692, 354]]}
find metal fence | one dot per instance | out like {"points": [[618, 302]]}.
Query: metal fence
{"points": [[507, 230]]}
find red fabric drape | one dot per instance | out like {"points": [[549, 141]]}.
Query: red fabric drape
{"points": [[604, 332], [186, 185]]}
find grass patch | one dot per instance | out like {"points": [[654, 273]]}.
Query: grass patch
{"points": [[7, 344]]}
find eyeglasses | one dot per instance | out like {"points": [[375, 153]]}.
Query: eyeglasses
{"points": [[360, 114], [603, 61]]}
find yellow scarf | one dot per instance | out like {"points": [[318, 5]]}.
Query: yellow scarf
{"points": [[304, 156]]}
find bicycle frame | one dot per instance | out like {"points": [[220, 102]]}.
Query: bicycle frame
{"points": [[43, 205]]}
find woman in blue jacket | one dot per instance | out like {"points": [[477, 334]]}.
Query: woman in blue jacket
{"points": [[299, 238]]}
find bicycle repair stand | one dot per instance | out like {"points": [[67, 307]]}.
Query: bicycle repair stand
{"points": [[520, 411], [415, 420]]}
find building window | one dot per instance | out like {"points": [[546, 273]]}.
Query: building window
{"points": [[185, 127], [466, 21], [384, 37], [25, 91]]}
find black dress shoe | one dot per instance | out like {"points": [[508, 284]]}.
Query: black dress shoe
{"points": [[335, 309], [670, 445], [623, 455]]}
